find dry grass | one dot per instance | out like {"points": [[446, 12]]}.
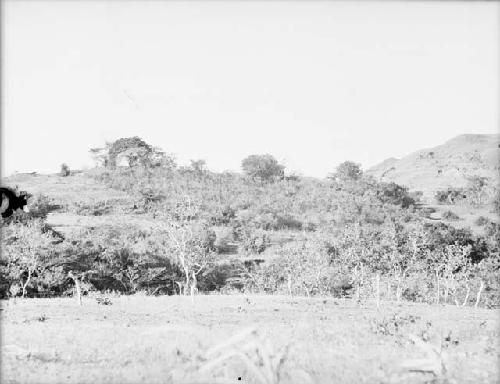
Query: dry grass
{"points": [[260, 339], [263, 363]]}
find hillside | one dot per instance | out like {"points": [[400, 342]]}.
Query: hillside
{"points": [[447, 165], [128, 228], [73, 200]]}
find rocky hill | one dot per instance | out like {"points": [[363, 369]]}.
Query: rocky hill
{"points": [[448, 165]]}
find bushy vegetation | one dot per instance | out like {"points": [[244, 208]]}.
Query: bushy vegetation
{"points": [[479, 191], [450, 196], [64, 170], [482, 221], [349, 235], [450, 216]]}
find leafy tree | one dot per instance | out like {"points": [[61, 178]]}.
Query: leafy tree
{"points": [[394, 194], [189, 241], [263, 167], [441, 235], [133, 148], [347, 171], [25, 247], [64, 170]]}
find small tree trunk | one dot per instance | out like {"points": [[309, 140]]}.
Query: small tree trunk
{"points": [[187, 286], [289, 284], [188, 278], [78, 292], [466, 296], [398, 285], [306, 289], [193, 287], [26, 282], [180, 284], [478, 297], [77, 286], [437, 287], [377, 288], [446, 290], [389, 290]]}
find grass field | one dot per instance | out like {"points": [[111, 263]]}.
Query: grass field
{"points": [[171, 339]]}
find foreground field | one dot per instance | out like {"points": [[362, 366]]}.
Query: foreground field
{"points": [[170, 339]]}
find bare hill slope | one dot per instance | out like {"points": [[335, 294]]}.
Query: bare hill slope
{"points": [[448, 165]]}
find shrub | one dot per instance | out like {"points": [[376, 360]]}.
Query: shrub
{"points": [[300, 268], [98, 208], [224, 239], [217, 276], [39, 207], [492, 234], [496, 202], [479, 190], [394, 194], [24, 251], [287, 221], [64, 170], [253, 241], [450, 216], [440, 235], [224, 216], [450, 196], [482, 221]]}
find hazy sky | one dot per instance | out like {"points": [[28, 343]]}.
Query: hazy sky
{"points": [[313, 83]]}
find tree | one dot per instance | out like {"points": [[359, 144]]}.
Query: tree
{"points": [[134, 156], [347, 171], [135, 151], [158, 158], [263, 167], [65, 170], [101, 155], [193, 251], [199, 167], [394, 194], [496, 202], [133, 148], [477, 189], [25, 247]]}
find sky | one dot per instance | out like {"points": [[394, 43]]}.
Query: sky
{"points": [[313, 83]]}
